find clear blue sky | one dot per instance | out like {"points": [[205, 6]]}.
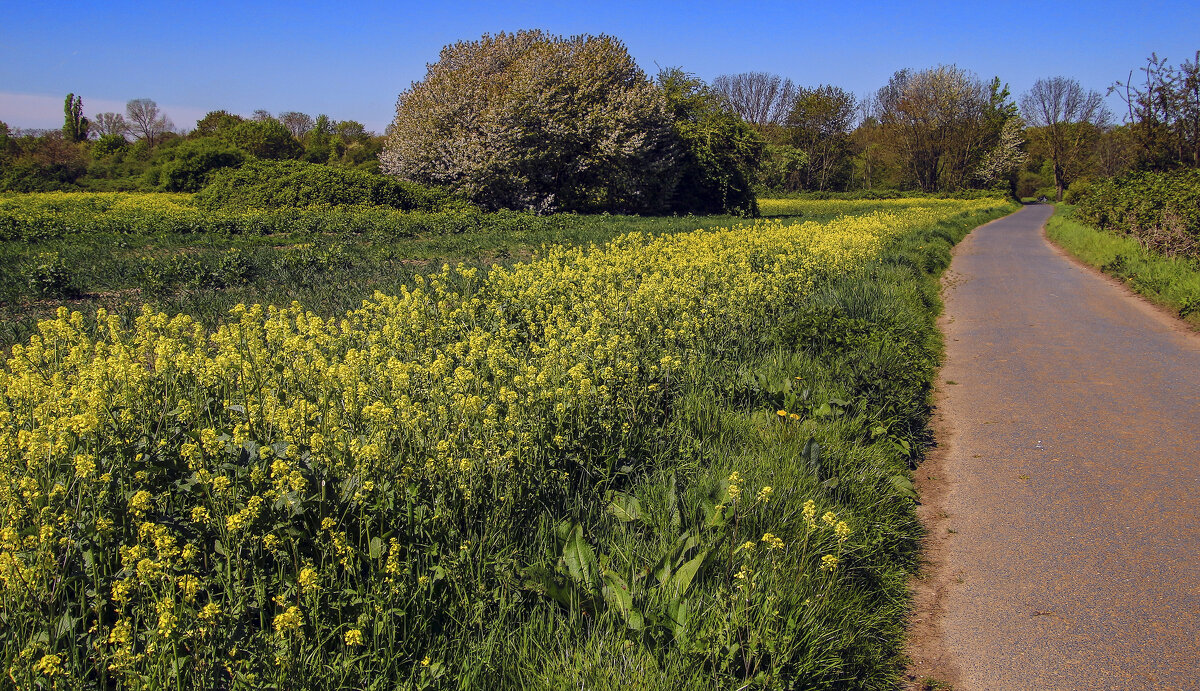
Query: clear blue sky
{"points": [[351, 60]]}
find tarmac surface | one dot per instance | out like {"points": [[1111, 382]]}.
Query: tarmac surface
{"points": [[1069, 417]]}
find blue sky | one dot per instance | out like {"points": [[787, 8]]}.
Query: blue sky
{"points": [[350, 60]]}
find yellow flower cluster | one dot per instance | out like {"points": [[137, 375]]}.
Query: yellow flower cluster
{"points": [[482, 389]]}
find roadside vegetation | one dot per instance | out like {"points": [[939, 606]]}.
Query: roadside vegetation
{"points": [[663, 461], [1171, 280]]}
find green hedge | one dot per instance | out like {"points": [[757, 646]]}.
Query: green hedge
{"points": [[1161, 209], [295, 184]]}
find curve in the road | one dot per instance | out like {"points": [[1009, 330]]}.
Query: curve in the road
{"points": [[1071, 453]]}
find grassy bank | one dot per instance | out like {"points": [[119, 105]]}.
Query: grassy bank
{"points": [[1173, 282], [669, 462]]}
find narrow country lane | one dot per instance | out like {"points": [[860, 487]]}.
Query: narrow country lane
{"points": [[1070, 418]]}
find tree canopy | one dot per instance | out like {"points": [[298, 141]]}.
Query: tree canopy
{"points": [[533, 121]]}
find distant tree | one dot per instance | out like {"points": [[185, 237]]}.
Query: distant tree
{"points": [[75, 127], [869, 145], [762, 99], [216, 123], [145, 120], [188, 166], [107, 145], [534, 121], [940, 122], [266, 139], [718, 152], [1066, 120], [297, 123], [316, 142], [819, 124], [1004, 159], [110, 123], [1164, 112], [261, 115]]}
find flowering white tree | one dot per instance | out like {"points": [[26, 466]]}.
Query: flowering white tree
{"points": [[534, 121]]}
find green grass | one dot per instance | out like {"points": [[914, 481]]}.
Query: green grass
{"points": [[853, 359], [134, 249], [1173, 282]]}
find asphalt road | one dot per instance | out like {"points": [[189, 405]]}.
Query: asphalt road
{"points": [[1071, 417]]}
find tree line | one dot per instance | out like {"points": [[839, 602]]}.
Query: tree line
{"points": [[141, 149], [530, 120]]}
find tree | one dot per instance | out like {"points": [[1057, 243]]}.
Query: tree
{"points": [[110, 123], [819, 124], [266, 139], [940, 122], [534, 121], [216, 123], [761, 99], [1005, 158], [718, 151], [187, 167], [1164, 112], [145, 121], [1066, 119], [75, 128], [261, 115], [297, 123]]}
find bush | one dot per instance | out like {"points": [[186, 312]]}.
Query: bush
{"points": [[187, 167], [294, 184], [1162, 210], [267, 139]]}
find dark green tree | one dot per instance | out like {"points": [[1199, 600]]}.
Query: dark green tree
{"points": [[717, 151], [75, 129], [266, 139], [217, 123]]}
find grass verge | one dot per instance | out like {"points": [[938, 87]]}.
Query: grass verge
{"points": [[666, 463], [1173, 282]]}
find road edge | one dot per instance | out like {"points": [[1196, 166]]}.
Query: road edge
{"points": [[929, 664]]}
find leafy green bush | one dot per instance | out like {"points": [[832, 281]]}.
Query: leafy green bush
{"points": [[1162, 210], [187, 167], [294, 184]]}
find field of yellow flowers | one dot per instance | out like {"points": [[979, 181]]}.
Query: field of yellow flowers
{"points": [[486, 479]]}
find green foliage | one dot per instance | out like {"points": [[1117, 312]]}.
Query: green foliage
{"points": [[294, 184], [718, 151], [266, 139], [535, 121], [819, 125], [75, 129], [217, 123], [1161, 210], [108, 144], [49, 276], [188, 166]]}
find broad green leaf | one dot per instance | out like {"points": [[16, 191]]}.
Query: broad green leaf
{"points": [[624, 507], [681, 582], [580, 559]]}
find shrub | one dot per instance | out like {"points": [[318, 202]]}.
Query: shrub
{"points": [[187, 167], [294, 184], [1162, 210]]}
